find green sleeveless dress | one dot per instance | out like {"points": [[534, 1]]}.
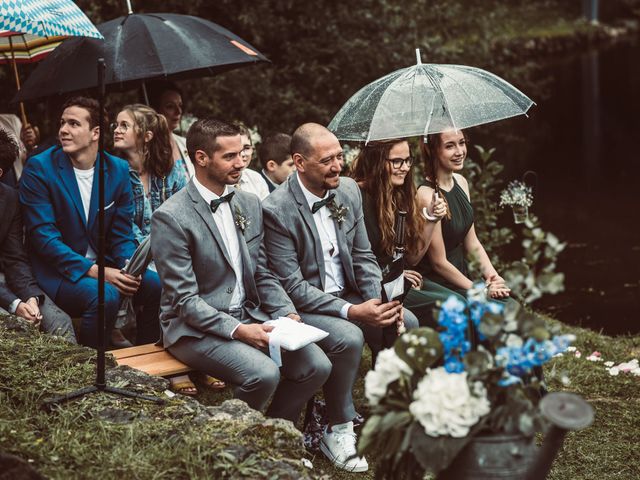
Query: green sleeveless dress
{"points": [[420, 302], [454, 231]]}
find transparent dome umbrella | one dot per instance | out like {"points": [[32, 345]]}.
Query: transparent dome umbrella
{"points": [[427, 98]]}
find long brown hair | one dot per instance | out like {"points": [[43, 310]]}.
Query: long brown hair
{"points": [[429, 150], [370, 170], [157, 153]]}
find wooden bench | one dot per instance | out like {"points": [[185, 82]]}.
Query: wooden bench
{"points": [[151, 359]]}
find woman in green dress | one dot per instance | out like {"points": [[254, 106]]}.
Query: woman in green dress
{"points": [[383, 172], [454, 237]]}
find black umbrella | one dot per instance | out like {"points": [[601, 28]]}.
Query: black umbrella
{"points": [[140, 47]]}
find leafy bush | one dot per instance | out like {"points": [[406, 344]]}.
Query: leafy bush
{"points": [[533, 273]]}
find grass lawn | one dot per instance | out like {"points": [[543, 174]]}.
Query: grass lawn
{"points": [[607, 450], [86, 440]]}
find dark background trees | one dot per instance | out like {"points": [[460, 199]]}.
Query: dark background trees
{"points": [[324, 51]]}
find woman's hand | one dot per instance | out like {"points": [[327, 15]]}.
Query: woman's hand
{"points": [[439, 206], [496, 287], [437, 209], [414, 278]]}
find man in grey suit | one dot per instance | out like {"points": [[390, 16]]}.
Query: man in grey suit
{"points": [[207, 242], [318, 247]]}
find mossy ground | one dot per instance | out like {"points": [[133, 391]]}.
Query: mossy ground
{"points": [[171, 441], [606, 450], [105, 436]]}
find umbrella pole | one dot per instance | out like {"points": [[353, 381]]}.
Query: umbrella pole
{"points": [[100, 385], [145, 94], [23, 114]]}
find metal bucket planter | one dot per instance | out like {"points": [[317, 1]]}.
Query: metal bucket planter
{"points": [[492, 457], [516, 457], [520, 213]]}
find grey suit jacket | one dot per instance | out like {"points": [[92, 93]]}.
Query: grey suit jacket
{"points": [[295, 252], [196, 271]]}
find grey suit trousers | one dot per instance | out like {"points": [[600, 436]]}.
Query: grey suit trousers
{"points": [[54, 320], [255, 376]]}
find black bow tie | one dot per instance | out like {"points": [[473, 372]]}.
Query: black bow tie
{"points": [[322, 203], [219, 201]]}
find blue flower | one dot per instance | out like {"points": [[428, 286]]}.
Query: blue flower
{"points": [[454, 342], [453, 365], [508, 379]]}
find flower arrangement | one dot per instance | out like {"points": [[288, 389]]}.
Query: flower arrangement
{"points": [[338, 212], [436, 390], [517, 193], [241, 221]]}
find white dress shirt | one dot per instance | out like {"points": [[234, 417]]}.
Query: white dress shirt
{"points": [[227, 227], [85, 185], [334, 273], [252, 182]]}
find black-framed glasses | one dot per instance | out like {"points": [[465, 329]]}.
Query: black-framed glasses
{"points": [[122, 126], [398, 162]]}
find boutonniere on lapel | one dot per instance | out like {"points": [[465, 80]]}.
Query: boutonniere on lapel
{"points": [[338, 212], [241, 221]]}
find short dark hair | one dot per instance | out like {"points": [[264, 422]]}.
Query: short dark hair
{"points": [[92, 106], [9, 150], [203, 135], [155, 91], [276, 147]]}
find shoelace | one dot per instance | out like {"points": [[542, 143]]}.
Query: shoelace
{"points": [[348, 442]]}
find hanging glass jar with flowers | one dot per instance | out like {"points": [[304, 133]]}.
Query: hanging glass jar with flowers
{"points": [[519, 196]]}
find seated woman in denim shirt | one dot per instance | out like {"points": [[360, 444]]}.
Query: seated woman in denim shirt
{"points": [[142, 137]]}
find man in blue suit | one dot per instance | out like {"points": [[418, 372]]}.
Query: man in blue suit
{"points": [[59, 195]]}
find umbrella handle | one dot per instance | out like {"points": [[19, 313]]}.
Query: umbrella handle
{"points": [[23, 113]]}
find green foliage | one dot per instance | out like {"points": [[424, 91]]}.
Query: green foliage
{"points": [[322, 52], [533, 273], [85, 439], [485, 183]]}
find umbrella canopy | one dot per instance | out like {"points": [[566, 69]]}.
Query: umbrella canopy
{"points": [[140, 47], [46, 18], [25, 48], [427, 98]]}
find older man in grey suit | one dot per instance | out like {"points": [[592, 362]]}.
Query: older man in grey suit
{"points": [[207, 242], [318, 247]]}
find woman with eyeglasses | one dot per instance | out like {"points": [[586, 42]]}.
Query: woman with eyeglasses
{"points": [[454, 237], [383, 171], [142, 137]]}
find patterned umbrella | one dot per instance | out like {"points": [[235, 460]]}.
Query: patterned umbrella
{"points": [[30, 29], [46, 18], [25, 48]]}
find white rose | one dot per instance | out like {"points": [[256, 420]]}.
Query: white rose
{"points": [[388, 369], [444, 405]]}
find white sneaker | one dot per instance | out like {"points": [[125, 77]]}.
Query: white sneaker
{"points": [[339, 446]]}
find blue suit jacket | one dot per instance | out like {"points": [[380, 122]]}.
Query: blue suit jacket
{"points": [[54, 218]]}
